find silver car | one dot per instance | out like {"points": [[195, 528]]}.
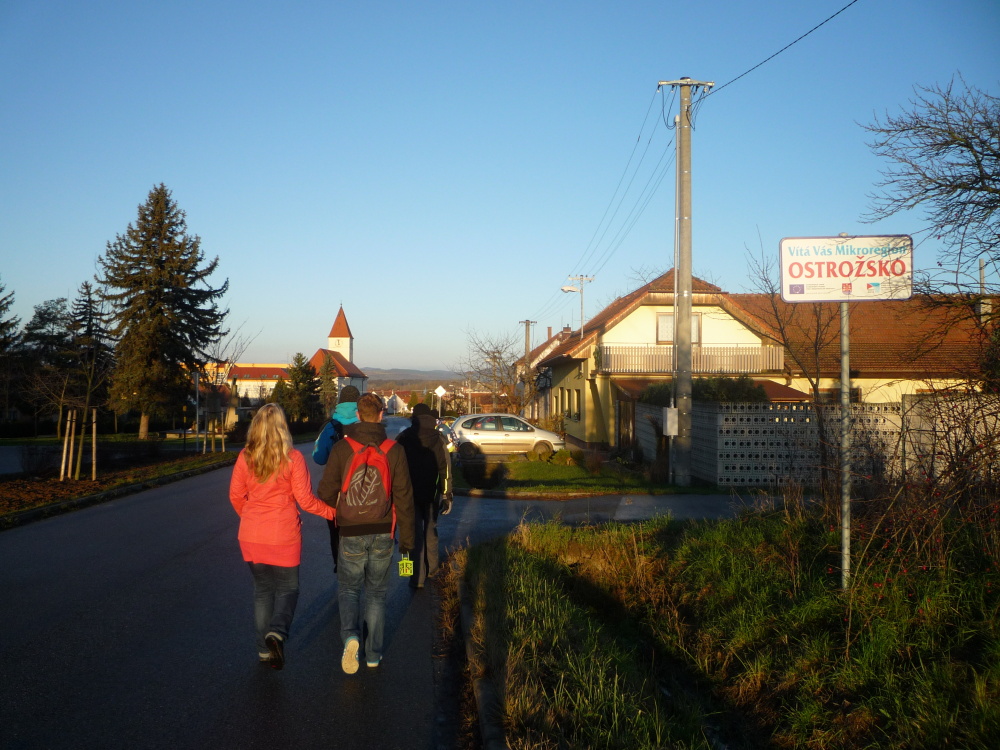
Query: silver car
{"points": [[502, 433]]}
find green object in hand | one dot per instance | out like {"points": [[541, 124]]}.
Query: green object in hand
{"points": [[406, 565]]}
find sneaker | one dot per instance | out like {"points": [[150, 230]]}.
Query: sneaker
{"points": [[276, 648], [349, 660], [375, 663], [263, 656]]}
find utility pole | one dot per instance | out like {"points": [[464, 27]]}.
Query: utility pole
{"points": [[527, 340], [569, 288], [527, 363], [682, 282]]}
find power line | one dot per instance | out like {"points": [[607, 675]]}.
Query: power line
{"points": [[638, 140], [751, 70]]}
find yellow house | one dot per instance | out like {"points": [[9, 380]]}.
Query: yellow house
{"points": [[594, 376]]}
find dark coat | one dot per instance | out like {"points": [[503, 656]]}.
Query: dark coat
{"points": [[401, 492], [427, 458]]}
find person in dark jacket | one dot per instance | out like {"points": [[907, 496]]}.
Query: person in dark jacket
{"points": [[343, 414], [430, 475], [365, 554]]}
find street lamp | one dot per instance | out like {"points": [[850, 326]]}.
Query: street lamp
{"points": [[570, 288]]}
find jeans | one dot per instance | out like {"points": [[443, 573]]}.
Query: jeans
{"points": [[425, 551], [364, 561], [275, 594]]}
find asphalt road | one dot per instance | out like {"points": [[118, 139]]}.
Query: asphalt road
{"points": [[129, 625]]}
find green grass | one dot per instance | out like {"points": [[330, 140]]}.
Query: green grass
{"points": [[670, 634], [544, 478]]}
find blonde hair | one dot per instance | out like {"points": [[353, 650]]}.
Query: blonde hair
{"points": [[268, 442]]}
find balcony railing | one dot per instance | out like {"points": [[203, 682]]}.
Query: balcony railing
{"points": [[706, 359]]}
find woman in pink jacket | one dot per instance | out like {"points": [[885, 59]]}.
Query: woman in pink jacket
{"points": [[270, 476]]}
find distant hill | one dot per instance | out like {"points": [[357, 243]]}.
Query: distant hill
{"points": [[403, 378]]}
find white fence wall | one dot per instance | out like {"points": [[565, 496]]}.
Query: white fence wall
{"points": [[741, 444]]}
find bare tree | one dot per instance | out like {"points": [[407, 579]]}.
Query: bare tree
{"points": [[225, 352], [805, 330], [492, 363], [944, 157]]}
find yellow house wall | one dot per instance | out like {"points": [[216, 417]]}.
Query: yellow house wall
{"points": [[717, 327], [876, 390], [594, 423]]}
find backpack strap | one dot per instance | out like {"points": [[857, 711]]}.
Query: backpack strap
{"points": [[384, 447]]}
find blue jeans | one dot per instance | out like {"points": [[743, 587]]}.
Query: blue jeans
{"points": [[364, 561], [275, 594]]}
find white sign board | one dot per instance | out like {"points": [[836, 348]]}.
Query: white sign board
{"points": [[842, 269], [440, 391]]}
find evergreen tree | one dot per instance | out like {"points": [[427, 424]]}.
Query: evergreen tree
{"points": [[328, 384], [8, 349], [48, 382], [279, 394], [93, 355], [303, 389], [163, 311]]}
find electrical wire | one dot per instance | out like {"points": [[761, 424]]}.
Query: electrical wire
{"points": [[649, 190], [790, 44], [638, 140]]}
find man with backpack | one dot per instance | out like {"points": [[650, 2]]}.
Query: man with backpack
{"points": [[343, 414], [368, 483]]}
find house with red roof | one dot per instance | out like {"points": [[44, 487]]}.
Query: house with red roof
{"points": [[594, 376]]}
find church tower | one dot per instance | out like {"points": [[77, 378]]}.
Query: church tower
{"points": [[340, 339]]}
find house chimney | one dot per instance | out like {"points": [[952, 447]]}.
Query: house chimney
{"points": [[985, 307], [550, 333]]}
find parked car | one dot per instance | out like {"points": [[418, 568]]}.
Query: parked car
{"points": [[502, 433]]}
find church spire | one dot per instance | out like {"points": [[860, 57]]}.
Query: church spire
{"points": [[340, 339]]}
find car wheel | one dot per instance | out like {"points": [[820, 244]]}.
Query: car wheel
{"points": [[544, 450], [468, 450]]}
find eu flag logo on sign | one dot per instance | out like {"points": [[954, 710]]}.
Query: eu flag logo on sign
{"points": [[796, 288]]}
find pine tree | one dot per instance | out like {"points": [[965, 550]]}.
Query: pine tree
{"points": [[163, 311], [328, 384], [279, 394], [93, 355], [303, 389], [8, 345], [48, 381]]}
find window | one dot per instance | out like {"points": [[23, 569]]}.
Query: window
{"points": [[665, 328], [512, 424], [579, 404], [486, 423]]}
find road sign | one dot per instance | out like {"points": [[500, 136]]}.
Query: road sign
{"points": [[440, 391], [846, 269]]}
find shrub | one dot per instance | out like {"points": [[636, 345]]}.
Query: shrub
{"points": [[562, 457]]}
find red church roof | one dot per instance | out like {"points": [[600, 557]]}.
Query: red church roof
{"points": [[340, 328], [344, 368]]}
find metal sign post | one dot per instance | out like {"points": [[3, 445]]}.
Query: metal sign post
{"points": [[846, 269]]}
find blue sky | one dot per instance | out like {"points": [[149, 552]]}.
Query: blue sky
{"points": [[443, 167]]}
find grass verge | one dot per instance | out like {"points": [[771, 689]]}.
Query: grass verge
{"points": [[541, 478], [688, 635], [20, 494]]}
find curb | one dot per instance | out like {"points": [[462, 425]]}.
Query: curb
{"points": [[487, 699], [22, 517]]}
